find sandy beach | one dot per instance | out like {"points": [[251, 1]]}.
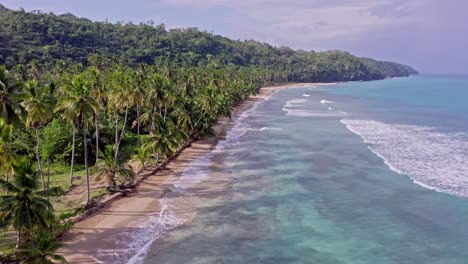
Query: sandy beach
{"points": [[94, 237]]}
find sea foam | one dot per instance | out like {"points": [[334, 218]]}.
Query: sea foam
{"points": [[295, 103], [133, 244], [432, 159], [199, 170], [271, 129], [326, 102], [298, 107]]}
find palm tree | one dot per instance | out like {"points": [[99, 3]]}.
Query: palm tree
{"points": [[10, 93], [159, 96], [183, 117], [38, 104], [80, 106], [42, 250], [35, 70], [24, 208], [21, 72], [142, 157], [208, 102], [119, 99], [137, 94], [98, 90], [165, 141], [111, 168], [7, 155], [68, 112]]}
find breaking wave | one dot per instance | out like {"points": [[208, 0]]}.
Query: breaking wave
{"points": [[432, 159]]}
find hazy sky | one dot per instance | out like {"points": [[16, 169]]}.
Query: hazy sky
{"points": [[431, 35]]}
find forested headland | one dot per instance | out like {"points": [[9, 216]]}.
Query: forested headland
{"points": [[47, 38], [90, 104]]}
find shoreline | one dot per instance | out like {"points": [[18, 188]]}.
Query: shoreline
{"points": [[97, 234]]}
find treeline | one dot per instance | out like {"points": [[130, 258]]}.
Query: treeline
{"points": [[46, 38]]}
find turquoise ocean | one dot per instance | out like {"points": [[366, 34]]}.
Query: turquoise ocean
{"points": [[360, 172]]}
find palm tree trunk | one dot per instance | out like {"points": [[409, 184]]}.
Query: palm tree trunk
{"points": [[153, 120], [97, 137], [138, 125], [196, 123], [116, 116], [38, 156], [113, 183], [157, 159], [48, 173], [48, 176], [73, 155], [88, 198], [6, 179], [18, 239], [121, 133]]}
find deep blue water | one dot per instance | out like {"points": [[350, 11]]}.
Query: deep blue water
{"points": [[330, 175]]}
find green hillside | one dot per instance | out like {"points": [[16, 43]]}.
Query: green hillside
{"points": [[47, 38]]}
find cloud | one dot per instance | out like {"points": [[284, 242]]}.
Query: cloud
{"points": [[310, 21], [195, 3]]}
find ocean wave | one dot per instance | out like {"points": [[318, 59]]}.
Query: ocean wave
{"points": [[306, 95], [157, 226], [312, 113], [199, 171], [295, 103], [271, 129], [133, 244], [295, 107], [326, 102], [435, 160]]}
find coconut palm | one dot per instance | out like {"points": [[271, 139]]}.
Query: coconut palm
{"points": [[165, 141], [183, 117], [98, 90], [42, 250], [120, 98], [10, 94], [21, 72], [209, 103], [24, 208], [80, 106], [8, 156], [35, 70], [142, 157], [110, 168], [155, 98], [137, 95], [38, 103], [68, 111]]}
